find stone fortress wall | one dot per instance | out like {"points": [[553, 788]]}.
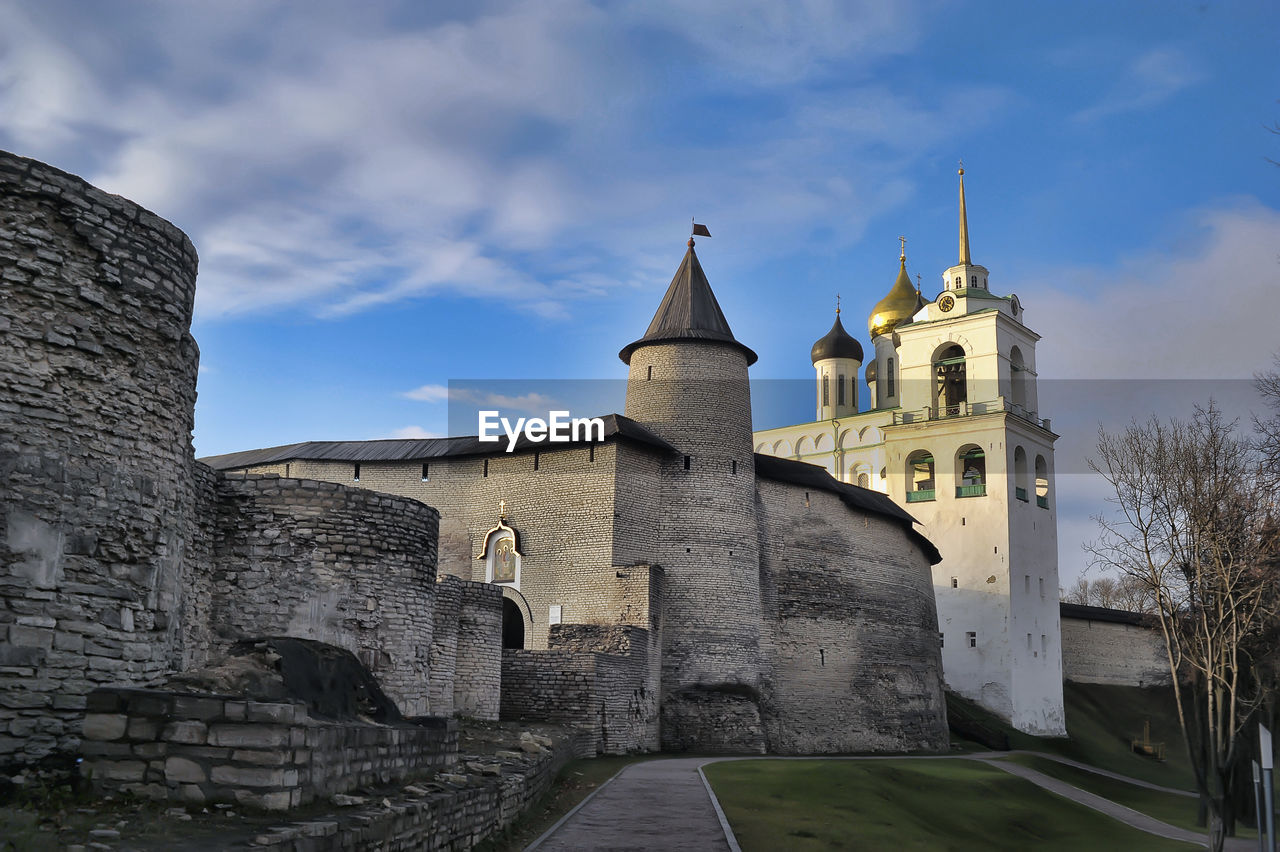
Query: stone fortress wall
{"points": [[97, 534], [1113, 647], [848, 668], [123, 560]]}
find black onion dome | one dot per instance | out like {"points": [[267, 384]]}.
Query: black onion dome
{"points": [[836, 344]]}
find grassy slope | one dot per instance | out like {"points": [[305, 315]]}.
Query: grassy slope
{"points": [[1101, 720], [907, 804]]}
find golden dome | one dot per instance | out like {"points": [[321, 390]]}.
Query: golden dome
{"points": [[899, 305]]}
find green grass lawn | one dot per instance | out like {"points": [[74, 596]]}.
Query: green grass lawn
{"points": [[1101, 721], [1166, 807], [907, 804]]}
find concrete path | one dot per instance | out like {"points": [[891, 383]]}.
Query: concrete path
{"points": [[1066, 761], [655, 805], [666, 804]]}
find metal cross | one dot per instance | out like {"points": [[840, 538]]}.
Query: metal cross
{"points": [[502, 509], [903, 241]]}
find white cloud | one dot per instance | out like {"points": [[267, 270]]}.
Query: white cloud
{"points": [[1202, 313], [414, 432], [529, 402], [1148, 80]]}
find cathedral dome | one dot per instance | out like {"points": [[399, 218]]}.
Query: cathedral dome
{"points": [[873, 372], [899, 305], [836, 344]]}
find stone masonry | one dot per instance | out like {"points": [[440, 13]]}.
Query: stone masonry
{"points": [[122, 560]]}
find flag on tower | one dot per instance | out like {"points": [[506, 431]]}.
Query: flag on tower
{"points": [[700, 230]]}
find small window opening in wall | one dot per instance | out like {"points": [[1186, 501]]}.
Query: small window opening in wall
{"points": [[426, 471], [355, 473], [955, 582], [806, 499], [730, 552], [286, 468], [649, 376], [973, 638], [733, 468], [486, 467], [995, 549], [1028, 641], [536, 460], [1026, 586], [1044, 644], [688, 550], [973, 280], [686, 462], [822, 656], [942, 642], [591, 453], [962, 522]]}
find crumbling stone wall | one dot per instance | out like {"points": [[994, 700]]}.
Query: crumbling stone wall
{"points": [[851, 650], [466, 652], [96, 482], [344, 566], [266, 755], [601, 679]]}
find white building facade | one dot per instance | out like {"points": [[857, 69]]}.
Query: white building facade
{"points": [[953, 434]]}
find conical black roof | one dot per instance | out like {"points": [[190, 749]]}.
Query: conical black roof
{"points": [[689, 311], [836, 344]]}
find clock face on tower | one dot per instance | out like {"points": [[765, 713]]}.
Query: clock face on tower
{"points": [[946, 303]]}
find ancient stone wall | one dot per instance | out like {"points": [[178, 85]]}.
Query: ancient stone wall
{"points": [[600, 679], [477, 678], [852, 656], [96, 481], [695, 395], [560, 500], [200, 749], [1108, 651], [344, 566]]}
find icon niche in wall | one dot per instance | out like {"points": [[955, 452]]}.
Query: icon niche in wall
{"points": [[501, 551]]}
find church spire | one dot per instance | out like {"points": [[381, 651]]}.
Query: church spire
{"points": [[964, 224]]}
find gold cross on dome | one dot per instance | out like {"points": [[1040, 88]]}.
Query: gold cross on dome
{"points": [[502, 509], [903, 243]]}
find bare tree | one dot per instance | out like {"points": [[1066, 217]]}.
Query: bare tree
{"points": [[1190, 525], [1268, 428], [1127, 593]]}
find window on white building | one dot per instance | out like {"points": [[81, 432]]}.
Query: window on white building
{"points": [[973, 639]]}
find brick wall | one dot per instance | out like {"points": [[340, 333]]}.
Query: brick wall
{"points": [[340, 565], [1097, 651], [600, 679], [211, 748], [699, 523], [96, 482], [852, 656]]}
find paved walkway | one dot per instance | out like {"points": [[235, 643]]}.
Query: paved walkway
{"points": [[658, 804], [664, 804]]}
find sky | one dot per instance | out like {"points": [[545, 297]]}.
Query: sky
{"points": [[391, 197]]}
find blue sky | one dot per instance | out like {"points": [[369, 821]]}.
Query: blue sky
{"points": [[387, 197]]}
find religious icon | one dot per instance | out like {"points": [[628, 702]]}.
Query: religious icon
{"points": [[504, 561]]}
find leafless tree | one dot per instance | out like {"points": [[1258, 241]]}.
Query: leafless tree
{"points": [[1127, 593], [1190, 523]]}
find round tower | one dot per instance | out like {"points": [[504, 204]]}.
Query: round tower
{"points": [[836, 358], [688, 384]]}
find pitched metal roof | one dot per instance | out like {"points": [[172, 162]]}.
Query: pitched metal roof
{"points": [[417, 449], [813, 476], [689, 311], [1102, 613]]}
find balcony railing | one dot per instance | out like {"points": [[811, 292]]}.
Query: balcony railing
{"points": [[1042, 502], [966, 409], [971, 490], [921, 496], [1020, 493]]}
